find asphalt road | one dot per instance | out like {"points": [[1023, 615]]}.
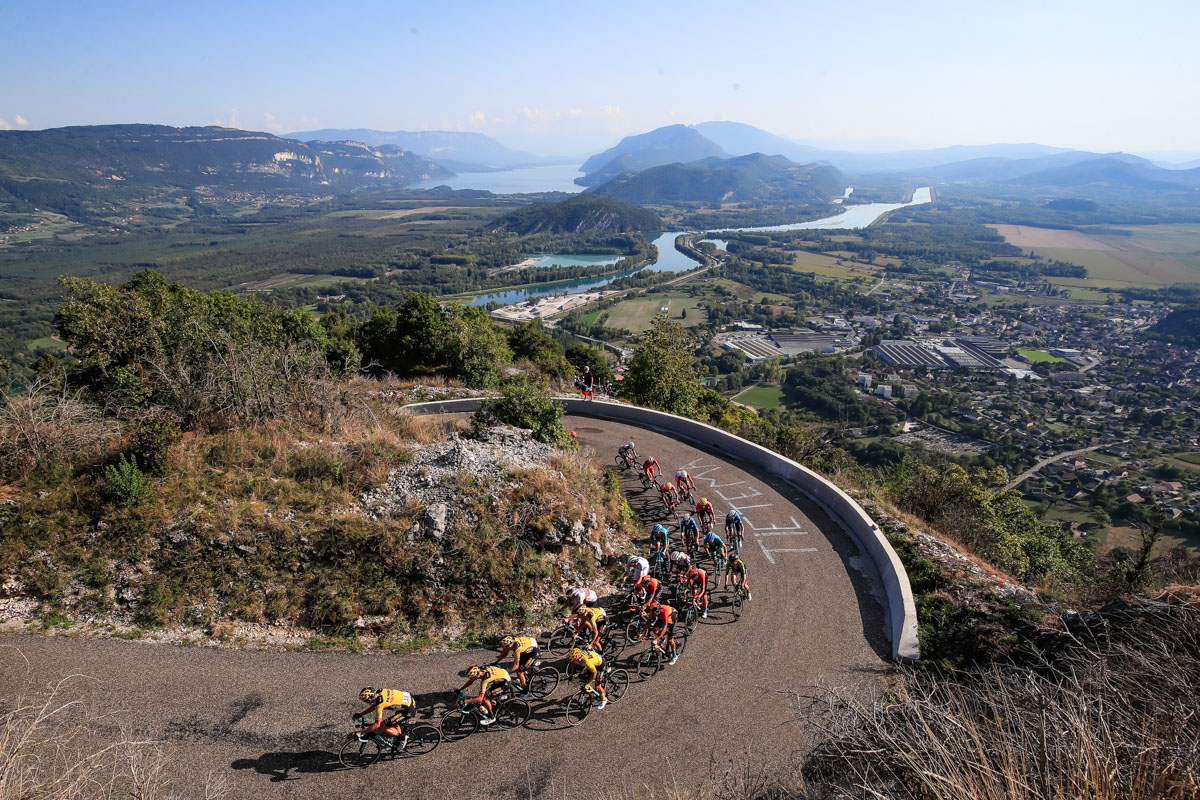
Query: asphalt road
{"points": [[271, 722]]}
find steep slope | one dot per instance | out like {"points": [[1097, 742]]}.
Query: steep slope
{"points": [[584, 212], [68, 169], [739, 139], [665, 145], [753, 178], [454, 148]]}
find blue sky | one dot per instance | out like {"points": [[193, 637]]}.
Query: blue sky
{"points": [[572, 78]]}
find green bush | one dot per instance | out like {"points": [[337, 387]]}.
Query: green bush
{"points": [[151, 441], [125, 484], [526, 404]]}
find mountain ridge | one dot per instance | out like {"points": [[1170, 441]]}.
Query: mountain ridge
{"points": [[456, 149]]}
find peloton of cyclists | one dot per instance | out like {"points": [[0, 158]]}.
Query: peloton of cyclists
{"points": [[586, 619]]}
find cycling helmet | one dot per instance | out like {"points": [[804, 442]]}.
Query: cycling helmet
{"points": [[579, 608], [367, 693], [703, 501], [659, 528], [474, 671], [575, 654], [508, 641], [688, 518]]}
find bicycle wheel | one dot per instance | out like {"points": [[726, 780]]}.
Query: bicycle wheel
{"points": [[578, 707], [610, 648], [649, 663], [357, 753], [543, 682], [633, 629], [691, 618], [458, 725], [735, 605], [620, 462], [681, 642], [511, 714], [616, 684], [422, 739], [561, 641]]}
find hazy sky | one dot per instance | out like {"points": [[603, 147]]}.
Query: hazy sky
{"points": [[567, 77]]}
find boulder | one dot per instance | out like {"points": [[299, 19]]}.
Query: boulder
{"points": [[434, 522]]}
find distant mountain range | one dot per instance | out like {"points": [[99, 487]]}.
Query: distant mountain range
{"points": [[674, 143], [463, 152], [617, 171], [71, 170], [754, 178]]}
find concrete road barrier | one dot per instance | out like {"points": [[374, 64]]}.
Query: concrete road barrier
{"points": [[900, 609]]}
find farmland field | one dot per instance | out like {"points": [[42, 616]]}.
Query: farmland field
{"points": [[635, 314], [763, 396], [1152, 255]]}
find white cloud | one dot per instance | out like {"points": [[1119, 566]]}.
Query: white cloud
{"points": [[21, 121], [229, 121], [4, 125], [271, 122]]}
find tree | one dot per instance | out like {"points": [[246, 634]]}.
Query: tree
{"points": [[526, 404], [528, 340], [661, 373], [474, 347], [582, 355]]}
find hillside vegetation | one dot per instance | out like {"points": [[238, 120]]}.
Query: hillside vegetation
{"points": [[660, 146], [579, 214]]}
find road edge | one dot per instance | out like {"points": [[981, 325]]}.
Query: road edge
{"points": [[900, 609]]}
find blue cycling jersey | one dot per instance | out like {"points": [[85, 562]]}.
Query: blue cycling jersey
{"points": [[689, 524], [713, 541], [658, 532], [733, 518]]}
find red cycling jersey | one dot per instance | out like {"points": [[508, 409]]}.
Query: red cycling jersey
{"points": [[651, 585], [663, 616], [706, 508], [697, 576]]}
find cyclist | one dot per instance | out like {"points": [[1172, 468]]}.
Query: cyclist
{"points": [[683, 479], [696, 581], [590, 664], [737, 569], [628, 451], [650, 466], [492, 681], [578, 595], [681, 562], [659, 539], [390, 707], [706, 512], [524, 651], [652, 587], [715, 545], [661, 622], [635, 568], [690, 531], [670, 496], [588, 618], [733, 528]]}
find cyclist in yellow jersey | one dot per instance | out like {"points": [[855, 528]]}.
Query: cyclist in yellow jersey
{"points": [[391, 707], [589, 618], [735, 573], [589, 663], [492, 681], [524, 651]]}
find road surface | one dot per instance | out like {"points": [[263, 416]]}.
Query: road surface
{"points": [[271, 722], [1069, 454]]}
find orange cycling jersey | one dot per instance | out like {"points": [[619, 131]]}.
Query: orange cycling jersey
{"points": [[697, 576], [664, 616]]}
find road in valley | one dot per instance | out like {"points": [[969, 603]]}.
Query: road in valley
{"points": [[270, 723]]}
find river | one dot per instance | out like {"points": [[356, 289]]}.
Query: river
{"points": [[671, 260]]}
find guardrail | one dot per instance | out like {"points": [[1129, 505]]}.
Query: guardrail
{"points": [[900, 609]]}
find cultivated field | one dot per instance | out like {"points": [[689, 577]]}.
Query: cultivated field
{"points": [[763, 396], [1152, 255], [1036, 356], [635, 314]]}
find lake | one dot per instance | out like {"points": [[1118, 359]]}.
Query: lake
{"points": [[671, 260], [554, 178]]}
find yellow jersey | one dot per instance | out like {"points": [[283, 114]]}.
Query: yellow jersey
{"points": [[523, 644], [493, 674], [593, 615], [592, 661], [393, 698]]}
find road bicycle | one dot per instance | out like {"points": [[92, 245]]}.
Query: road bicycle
{"points": [[660, 563], [690, 606], [670, 504], [463, 720], [541, 680], [359, 750], [614, 681], [624, 460], [567, 637], [647, 479], [736, 599], [655, 657], [735, 539]]}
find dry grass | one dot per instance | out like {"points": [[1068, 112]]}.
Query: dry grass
{"points": [[49, 422], [50, 750]]}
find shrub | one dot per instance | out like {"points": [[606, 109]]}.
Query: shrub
{"points": [[48, 423], [526, 404], [151, 441], [125, 484]]}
